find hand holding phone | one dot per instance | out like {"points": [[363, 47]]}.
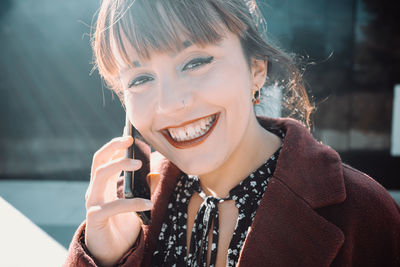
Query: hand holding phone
{"points": [[108, 240], [135, 186]]}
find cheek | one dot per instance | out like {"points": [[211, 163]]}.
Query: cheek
{"points": [[224, 86], [229, 90], [139, 112]]}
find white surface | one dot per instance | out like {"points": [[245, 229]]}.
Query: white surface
{"points": [[23, 244], [395, 150]]}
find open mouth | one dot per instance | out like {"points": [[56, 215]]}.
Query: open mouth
{"points": [[191, 134]]}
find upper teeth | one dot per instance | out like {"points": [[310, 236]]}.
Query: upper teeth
{"points": [[193, 130]]}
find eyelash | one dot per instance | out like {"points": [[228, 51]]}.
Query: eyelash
{"points": [[139, 81], [197, 62], [193, 64]]}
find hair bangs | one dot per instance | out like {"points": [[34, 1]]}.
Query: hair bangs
{"points": [[160, 26]]}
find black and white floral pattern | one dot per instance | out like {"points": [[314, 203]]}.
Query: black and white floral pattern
{"points": [[171, 247]]}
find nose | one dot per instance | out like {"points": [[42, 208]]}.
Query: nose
{"points": [[173, 97]]}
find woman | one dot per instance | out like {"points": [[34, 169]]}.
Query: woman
{"points": [[228, 188]]}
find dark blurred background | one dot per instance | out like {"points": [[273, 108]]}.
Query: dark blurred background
{"points": [[54, 115]]}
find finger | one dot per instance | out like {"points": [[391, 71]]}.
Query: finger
{"points": [[118, 154], [116, 147], [114, 167], [108, 150], [98, 188], [121, 153], [105, 211]]}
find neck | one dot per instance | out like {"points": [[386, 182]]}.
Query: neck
{"points": [[256, 147]]}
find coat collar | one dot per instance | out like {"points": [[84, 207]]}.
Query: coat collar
{"points": [[310, 169], [287, 231]]}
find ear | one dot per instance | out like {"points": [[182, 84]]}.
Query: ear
{"points": [[259, 72]]}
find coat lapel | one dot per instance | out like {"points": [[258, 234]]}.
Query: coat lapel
{"points": [[288, 232]]}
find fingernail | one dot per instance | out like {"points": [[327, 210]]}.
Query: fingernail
{"points": [[136, 162]]}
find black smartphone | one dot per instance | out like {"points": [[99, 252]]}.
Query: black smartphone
{"points": [[135, 186]]}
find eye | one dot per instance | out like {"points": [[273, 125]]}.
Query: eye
{"points": [[197, 62], [139, 81]]}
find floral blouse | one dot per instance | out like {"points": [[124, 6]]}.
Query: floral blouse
{"points": [[171, 246]]}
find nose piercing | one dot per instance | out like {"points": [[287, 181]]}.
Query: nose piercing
{"points": [[184, 105]]}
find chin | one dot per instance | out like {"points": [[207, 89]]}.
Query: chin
{"points": [[199, 166]]}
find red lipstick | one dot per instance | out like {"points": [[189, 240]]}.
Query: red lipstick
{"points": [[193, 142]]}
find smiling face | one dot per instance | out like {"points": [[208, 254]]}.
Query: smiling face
{"points": [[193, 106]]}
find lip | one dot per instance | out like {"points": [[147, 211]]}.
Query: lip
{"points": [[193, 142], [187, 122]]}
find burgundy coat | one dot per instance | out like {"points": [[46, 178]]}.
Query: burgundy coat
{"points": [[316, 211]]}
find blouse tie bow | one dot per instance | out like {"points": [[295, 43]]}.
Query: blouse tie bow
{"points": [[206, 218]]}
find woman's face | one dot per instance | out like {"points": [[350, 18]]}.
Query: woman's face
{"points": [[193, 106]]}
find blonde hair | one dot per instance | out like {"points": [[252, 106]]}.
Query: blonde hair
{"points": [[163, 25]]}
